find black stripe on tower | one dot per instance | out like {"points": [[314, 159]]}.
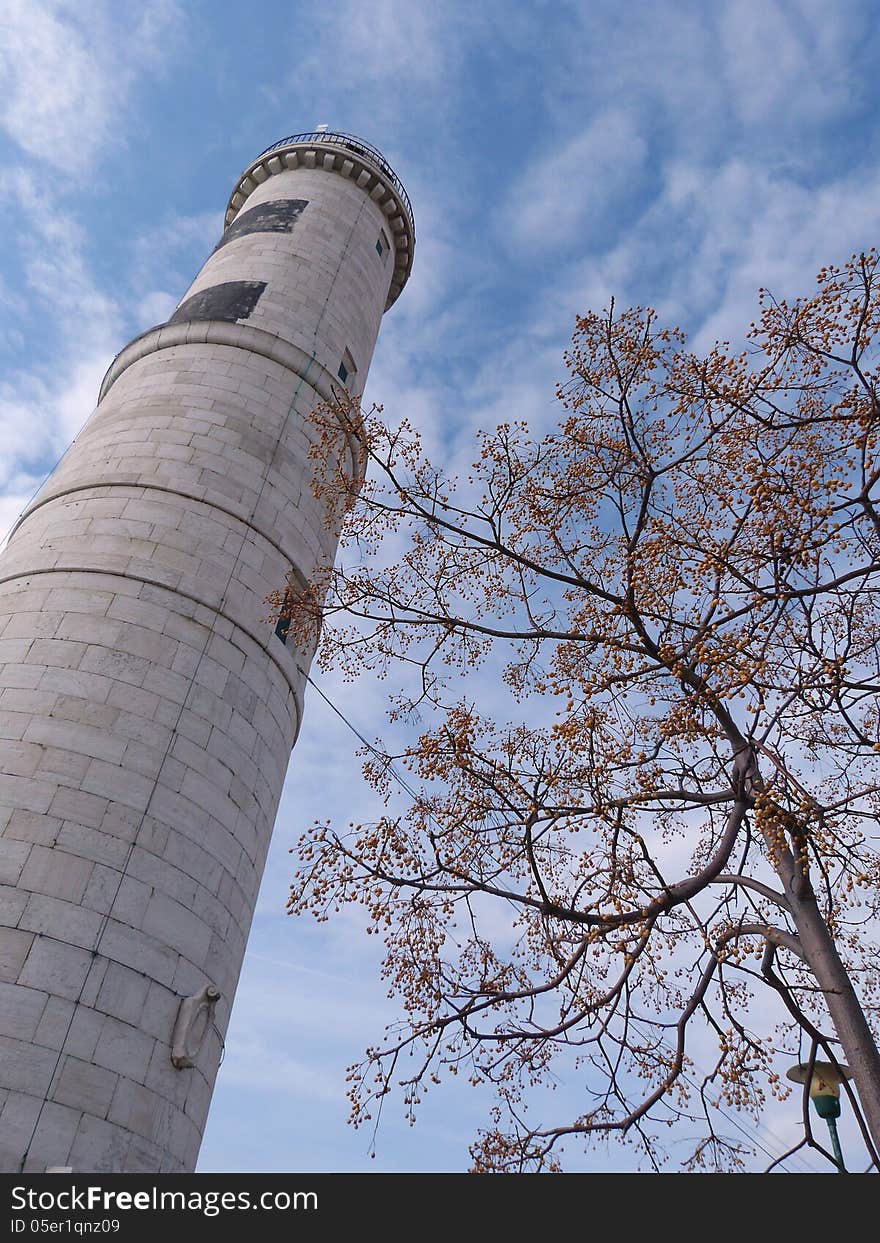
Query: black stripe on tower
{"points": [[232, 301], [279, 216]]}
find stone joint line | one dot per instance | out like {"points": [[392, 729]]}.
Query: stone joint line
{"points": [[208, 500], [295, 688], [236, 336]]}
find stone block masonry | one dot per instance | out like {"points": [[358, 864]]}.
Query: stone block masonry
{"points": [[147, 710]]}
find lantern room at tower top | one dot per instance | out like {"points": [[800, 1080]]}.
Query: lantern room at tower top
{"points": [[350, 156]]}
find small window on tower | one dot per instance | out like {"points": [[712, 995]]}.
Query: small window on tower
{"points": [[382, 244], [346, 368]]}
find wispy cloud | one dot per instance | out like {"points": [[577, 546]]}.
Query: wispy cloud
{"points": [[66, 71], [396, 39], [45, 400], [786, 62], [67, 76], [164, 258], [574, 191]]}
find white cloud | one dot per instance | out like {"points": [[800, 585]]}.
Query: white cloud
{"points": [[39, 418], [572, 193], [67, 73], [66, 70], [705, 242], [760, 79], [166, 257], [395, 38], [154, 308], [786, 63], [54, 94], [776, 233], [55, 264], [13, 308], [44, 405]]}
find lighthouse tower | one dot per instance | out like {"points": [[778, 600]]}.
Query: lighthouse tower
{"points": [[147, 709]]}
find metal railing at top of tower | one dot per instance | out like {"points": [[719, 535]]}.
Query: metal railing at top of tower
{"points": [[340, 139]]}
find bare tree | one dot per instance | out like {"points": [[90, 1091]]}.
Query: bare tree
{"points": [[678, 588]]}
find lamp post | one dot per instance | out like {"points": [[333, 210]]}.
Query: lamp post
{"points": [[824, 1079]]}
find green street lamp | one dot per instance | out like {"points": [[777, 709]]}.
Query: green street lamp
{"points": [[825, 1080]]}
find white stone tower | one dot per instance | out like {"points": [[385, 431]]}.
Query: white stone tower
{"points": [[147, 710]]}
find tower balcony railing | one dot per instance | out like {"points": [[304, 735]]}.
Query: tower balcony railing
{"points": [[352, 143]]}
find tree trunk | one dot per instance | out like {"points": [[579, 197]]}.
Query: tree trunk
{"points": [[860, 1050]]}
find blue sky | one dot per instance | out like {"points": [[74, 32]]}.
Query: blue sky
{"points": [[666, 152]]}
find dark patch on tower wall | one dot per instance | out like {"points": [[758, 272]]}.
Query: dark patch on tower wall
{"points": [[233, 300], [279, 216]]}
